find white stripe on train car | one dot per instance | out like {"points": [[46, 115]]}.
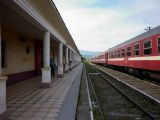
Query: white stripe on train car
{"points": [[116, 59], [101, 59], [145, 58]]}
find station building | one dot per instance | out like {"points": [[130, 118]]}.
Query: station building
{"points": [[32, 33]]}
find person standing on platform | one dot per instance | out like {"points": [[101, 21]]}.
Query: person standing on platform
{"points": [[53, 66]]}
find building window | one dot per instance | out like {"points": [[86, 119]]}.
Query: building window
{"points": [[123, 53], [3, 54], [119, 55], [147, 47], [128, 51], [136, 49], [158, 45]]}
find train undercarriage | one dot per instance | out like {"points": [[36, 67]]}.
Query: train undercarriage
{"points": [[139, 73]]}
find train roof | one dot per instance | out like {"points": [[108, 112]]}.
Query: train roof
{"points": [[100, 54], [149, 33]]}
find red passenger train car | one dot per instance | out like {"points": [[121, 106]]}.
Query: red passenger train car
{"points": [[139, 55], [101, 59]]}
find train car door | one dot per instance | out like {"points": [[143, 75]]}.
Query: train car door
{"points": [[106, 58]]}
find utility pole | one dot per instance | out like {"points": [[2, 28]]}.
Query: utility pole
{"points": [[148, 29]]}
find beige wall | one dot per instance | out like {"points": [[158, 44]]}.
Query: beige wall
{"points": [[17, 58]]}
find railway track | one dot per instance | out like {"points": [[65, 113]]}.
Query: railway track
{"points": [[112, 100], [152, 78]]}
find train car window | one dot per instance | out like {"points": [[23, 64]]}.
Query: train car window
{"points": [[111, 55], [147, 48], [159, 45], [123, 53], [119, 55], [136, 49], [114, 54], [129, 51]]}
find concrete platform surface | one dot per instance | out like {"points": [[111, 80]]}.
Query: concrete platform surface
{"points": [[83, 108], [27, 101]]}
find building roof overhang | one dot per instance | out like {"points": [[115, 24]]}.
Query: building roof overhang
{"points": [[46, 14]]}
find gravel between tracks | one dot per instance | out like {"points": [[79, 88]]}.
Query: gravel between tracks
{"points": [[152, 91], [140, 98]]}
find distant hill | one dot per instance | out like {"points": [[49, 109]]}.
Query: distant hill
{"points": [[89, 54]]}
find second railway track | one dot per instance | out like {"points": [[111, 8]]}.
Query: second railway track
{"points": [[113, 101]]}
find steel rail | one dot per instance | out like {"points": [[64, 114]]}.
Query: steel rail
{"points": [[89, 98], [146, 112], [95, 95]]}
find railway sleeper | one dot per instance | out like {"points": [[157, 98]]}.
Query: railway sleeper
{"points": [[117, 105], [139, 73]]}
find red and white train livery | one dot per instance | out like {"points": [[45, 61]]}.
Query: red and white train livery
{"points": [[137, 55]]}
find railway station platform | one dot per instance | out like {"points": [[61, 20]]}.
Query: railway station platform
{"points": [[27, 101], [150, 90], [84, 107]]}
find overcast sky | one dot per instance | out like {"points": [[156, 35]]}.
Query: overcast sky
{"points": [[97, 25]]}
